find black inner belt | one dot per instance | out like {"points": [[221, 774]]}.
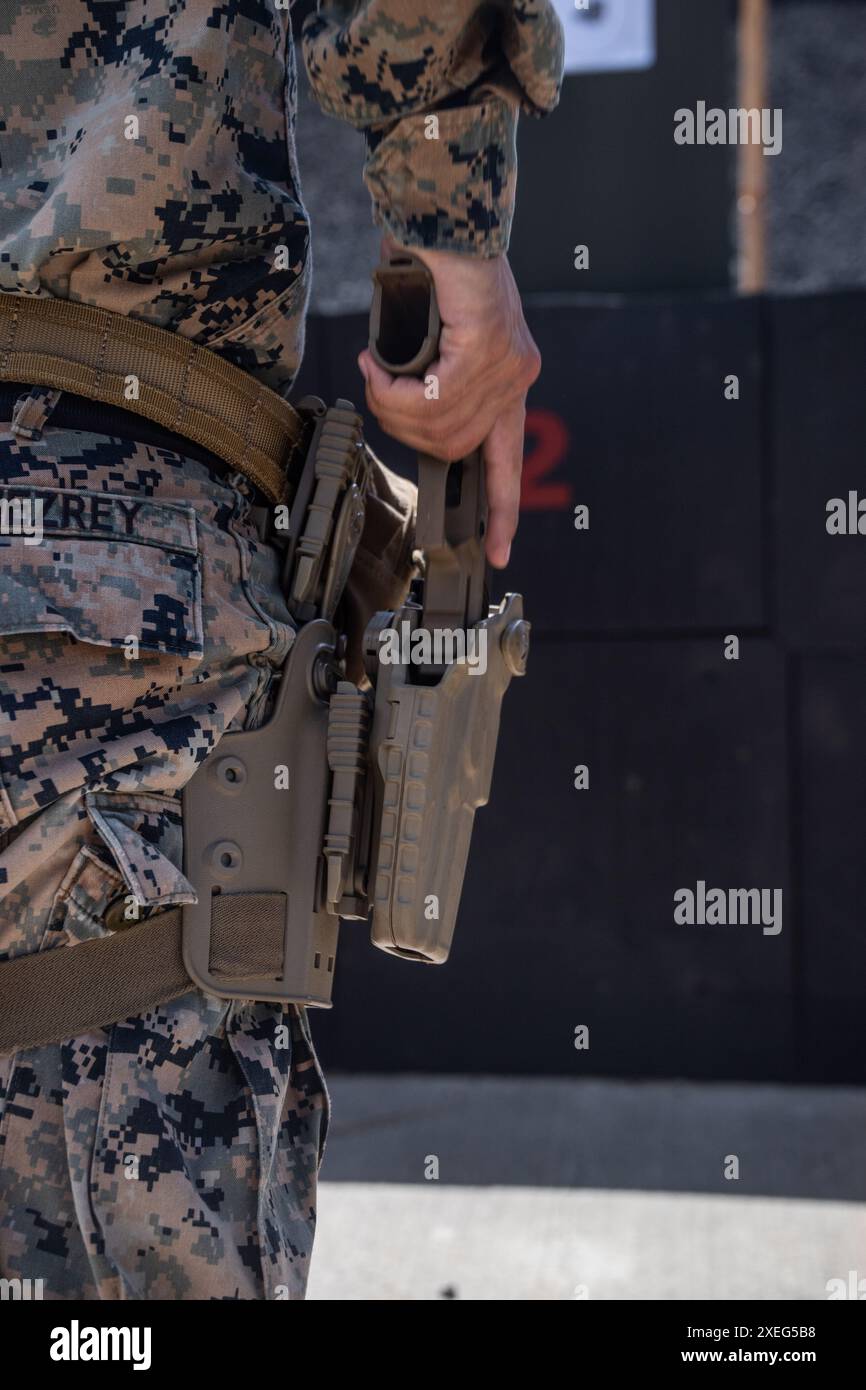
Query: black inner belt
{"points": [[79, 413]]}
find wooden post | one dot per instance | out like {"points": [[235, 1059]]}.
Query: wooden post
{"points": [[752, 162]]}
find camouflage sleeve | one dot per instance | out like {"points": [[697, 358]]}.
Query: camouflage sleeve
{"points": [[436, 86]]}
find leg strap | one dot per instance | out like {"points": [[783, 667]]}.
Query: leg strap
{"points": [[57, 994]]}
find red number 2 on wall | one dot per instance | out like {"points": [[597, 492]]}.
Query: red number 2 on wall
{"points": [[548, 440]]}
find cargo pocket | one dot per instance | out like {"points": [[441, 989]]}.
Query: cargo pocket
{"points": [[108, 569], [144, 835], [127, 869]]}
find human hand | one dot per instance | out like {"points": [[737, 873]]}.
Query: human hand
{"points": [[487, 363]]}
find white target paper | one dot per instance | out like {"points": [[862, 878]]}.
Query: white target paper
{"points": [[608, 35]]}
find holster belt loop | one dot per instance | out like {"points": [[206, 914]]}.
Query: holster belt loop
{"points": [[69, 990], [171, 380], [32, 411]]}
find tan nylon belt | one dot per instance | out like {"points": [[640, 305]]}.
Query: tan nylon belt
{"points": [[181, 385], [70, 990]]}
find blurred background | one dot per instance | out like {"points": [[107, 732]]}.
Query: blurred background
{"points": [[591, 1100]]}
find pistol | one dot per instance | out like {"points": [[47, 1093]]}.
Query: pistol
{"points": [[439, 668]]}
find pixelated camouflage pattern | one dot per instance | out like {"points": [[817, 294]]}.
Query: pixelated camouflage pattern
{"points": [[195, 220], [173, 1155], [180, 225], [176, 1154], [387, 66]]}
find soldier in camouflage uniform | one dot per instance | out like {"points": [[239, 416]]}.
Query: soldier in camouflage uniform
{"points": [[147, 166]]}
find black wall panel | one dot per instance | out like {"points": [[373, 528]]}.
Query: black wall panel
{"points": [[817, 353], [654, 214], [630, 419], [706, 519], [669, 468], [568, 910], [832, 785]]}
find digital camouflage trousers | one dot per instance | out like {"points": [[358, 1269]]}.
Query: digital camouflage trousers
{"points": [[173, 1155]]}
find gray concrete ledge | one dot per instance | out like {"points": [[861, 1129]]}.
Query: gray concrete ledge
{"points": [[562, 1189], [549, 1132]]}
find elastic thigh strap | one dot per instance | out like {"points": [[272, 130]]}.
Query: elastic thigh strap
{"points": [[61, 993]]}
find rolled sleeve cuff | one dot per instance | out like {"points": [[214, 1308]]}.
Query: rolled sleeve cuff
{"points": [[447, 179]]}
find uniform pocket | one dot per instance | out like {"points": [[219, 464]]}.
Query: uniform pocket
{"points": [[126, 868], [111, 570], [144, 836]]}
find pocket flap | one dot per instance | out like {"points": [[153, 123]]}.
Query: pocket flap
{"points": [[144, 835], [103, 567]]}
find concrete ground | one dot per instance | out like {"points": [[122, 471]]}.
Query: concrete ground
{"points": [[561, 1189]]}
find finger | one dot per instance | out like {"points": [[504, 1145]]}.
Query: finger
{"points": [[447, 415], [456, 384], [404, 408], [390, 395], [447, 421], [374, 375], [503, 460]]}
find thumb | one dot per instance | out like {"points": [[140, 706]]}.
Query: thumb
{"points": [[377, 379]]}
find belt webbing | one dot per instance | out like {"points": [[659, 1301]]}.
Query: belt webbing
{"points": [[95, 417], [180, 385], [69, 990]]}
